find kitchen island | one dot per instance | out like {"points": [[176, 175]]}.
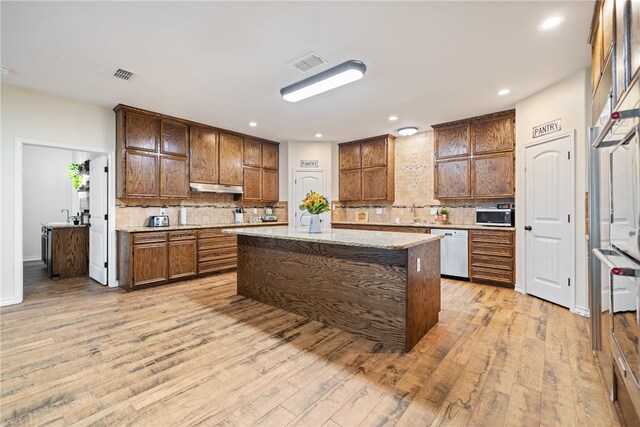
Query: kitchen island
{"points": [[383, 286]]}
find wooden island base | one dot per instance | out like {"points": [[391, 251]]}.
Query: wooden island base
{"points": [[372, 292]]}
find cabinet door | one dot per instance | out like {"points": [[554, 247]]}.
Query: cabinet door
{"points": [[452, 179], [174, 177], [607, 27], [596, 57], [141, 174], [350, 156], [174, 138], [149, 264], [493, 135], [350, 185], [492, 176], [374, 152], [183, 259], [270, 191], [230, 159], [374, 183], [142, 132], [452, 141], [203, 158], [252, 153], [252, 187], [270, 155]]}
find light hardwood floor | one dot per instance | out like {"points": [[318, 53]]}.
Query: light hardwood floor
{"points": [[195, 353]]}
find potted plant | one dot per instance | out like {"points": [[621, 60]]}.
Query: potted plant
{"points": [[75, 175], [75, 219], [444, 213], [315, 204]]}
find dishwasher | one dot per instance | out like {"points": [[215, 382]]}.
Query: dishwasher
{"points": [[454, 252]]}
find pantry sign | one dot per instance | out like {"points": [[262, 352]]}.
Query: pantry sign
{"points": [[547, 128]]}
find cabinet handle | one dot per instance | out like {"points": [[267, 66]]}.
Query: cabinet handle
{"points": [[528, 228]]}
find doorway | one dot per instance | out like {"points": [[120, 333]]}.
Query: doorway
{"points": [[303, 182], [549, 220]]}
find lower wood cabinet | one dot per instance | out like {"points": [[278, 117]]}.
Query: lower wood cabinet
{"points": [[183, 251], [216, 251], [149, 263], [491, 257], [377, 227]]}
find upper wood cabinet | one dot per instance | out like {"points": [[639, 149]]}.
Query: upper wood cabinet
{"points": [[474, 157], [270, 155], [452, 140], [174, 138], [270, 184], [367, 170], [203, 159], [252, 153], [231, 159], [252, 189], [173, 171], [142, 132], [140, 177]]}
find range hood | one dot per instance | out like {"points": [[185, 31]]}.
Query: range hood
{"points": [[215, 188]]}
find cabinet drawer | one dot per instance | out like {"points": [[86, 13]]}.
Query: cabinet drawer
{"points": [[491, 275], [217, 265], [211, 232], [149, 237], [217, 243], [183, 235], [217, 254], [501, 263], [491, 249], [490, 236]]}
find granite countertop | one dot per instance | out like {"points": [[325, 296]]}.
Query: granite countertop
{"points": [[359, 238], [145, 229], [429, 225], [62, 225]]}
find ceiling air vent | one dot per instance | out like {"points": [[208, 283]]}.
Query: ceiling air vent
{"points": [[307, 62], [123, 74]]}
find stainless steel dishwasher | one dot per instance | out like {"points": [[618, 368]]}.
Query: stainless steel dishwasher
{"points": [[454, 252]]}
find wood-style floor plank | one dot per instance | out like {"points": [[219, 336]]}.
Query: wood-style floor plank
{"points": [[195, 353]]}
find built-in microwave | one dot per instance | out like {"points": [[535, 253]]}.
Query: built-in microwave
{"points": [[495, 217]]}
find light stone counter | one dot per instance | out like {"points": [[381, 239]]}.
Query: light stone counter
{"points": [[62, 225], [358, 238], [427, 225], [196, 227]]}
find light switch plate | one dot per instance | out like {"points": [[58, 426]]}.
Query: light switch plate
{"points": [[397, 220], [255, 210], [163, 211], [434, 211], [418, 266], [378, 211]]}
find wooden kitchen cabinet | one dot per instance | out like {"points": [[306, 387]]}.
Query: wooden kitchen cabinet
{"points": [[231, 159], [142, 132], [140, 174], [65, 251], [491, 257], [252, 189], [174, 138], [270, 185], [260, 171], [493, 176], [474, 158], [367, 170], [452, 179], [252, 155], [174, 177], [150, 263], [203, 159], [183, 254], [270, 152]]}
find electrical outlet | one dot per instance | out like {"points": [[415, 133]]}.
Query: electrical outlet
{"points": [[255, 210], [397, 220], [378, 211], [434, 211], [418, 265], [163, 211]]}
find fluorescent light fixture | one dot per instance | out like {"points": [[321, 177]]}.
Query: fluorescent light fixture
{"points": [[551, 22], [4, 70], [505, 91], [393, 118], [332, 78], [318, 135], [408, 131], [253, 124]]}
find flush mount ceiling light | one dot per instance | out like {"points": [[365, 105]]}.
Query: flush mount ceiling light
{"points": [[332, 78], [253, 124], [393, 118], [551, 22], [318, 135], [408, 131], [4, 70], [503, 92]]}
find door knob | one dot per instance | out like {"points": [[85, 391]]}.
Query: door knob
{"points": [[527, 227]]}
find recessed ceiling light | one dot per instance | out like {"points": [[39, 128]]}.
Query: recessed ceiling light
{"points": [[4, 70], [393, 118], [318, 135], [332, 78], [253, 124], [408, 131], [504, 92], [551, 22]]}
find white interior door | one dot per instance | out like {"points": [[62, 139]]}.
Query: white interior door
{"points": [[98, 208], [548, 212], [303, 182]]}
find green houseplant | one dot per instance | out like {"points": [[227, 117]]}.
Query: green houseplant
{"points": [[75, 175]]}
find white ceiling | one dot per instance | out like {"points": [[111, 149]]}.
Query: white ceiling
{"points": [[224, 63]]}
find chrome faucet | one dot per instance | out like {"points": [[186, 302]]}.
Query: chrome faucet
{"points": [[67, 213]]}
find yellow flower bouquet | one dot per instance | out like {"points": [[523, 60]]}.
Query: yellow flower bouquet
{"points": [[315, 203]]}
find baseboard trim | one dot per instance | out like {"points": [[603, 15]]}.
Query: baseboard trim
{"points": [[581, 311], [518, 288], [9, 301], [31, 258]]}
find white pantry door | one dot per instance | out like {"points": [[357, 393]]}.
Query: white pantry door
{"points": [[98, 208], [548, 216], [303, 182]]}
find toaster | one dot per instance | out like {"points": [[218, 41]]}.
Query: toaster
{"points": [[158, 221]]}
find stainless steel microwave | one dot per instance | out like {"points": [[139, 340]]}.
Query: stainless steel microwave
{"points": [[495, 217]]}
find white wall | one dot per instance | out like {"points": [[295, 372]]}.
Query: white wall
{"points": [[38, 116], [46, 190], [568, 100], [320, 151]]}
